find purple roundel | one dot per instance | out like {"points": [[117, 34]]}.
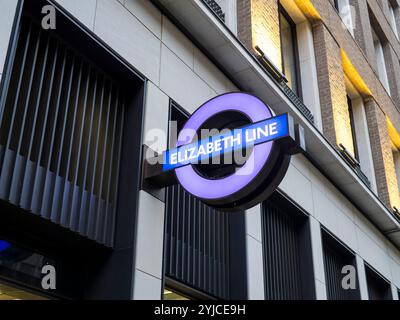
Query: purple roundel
{"points": [[211, 189]]}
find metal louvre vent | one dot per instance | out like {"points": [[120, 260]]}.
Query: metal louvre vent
{"points": [[297, 102], [335, 258], [197, 243], [378, 287], [215, 7], [282, 260], [288, 267], [61, 125], [333, 267]]}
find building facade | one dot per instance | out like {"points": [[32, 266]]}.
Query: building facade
{"points": [[82, 100]]}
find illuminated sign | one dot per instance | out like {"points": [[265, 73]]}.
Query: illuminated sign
{"points": [[270, 139], [241, 138]]}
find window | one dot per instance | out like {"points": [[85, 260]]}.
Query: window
{"points": [[197, 244], [176, 290], [70, 123], [357, 140], [336, 256], [290, 57], [353, 127], [61, 134], [198, 238], [392, 16], [9, 292], [344, 9], [378, 287], [396, 160], [298, 61], [170, 294], [22, 266], [380, 61], [288, 271]]}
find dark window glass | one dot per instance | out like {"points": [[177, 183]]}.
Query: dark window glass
{"points": [[336, 4], [393, 17], [290, 63], [353, 127], [378, 287]]}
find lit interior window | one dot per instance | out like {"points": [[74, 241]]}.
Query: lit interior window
{"points": [[170, 294], [19, 265], [8, 292]]}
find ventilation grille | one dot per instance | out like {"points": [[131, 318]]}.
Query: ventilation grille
{"points": [[335, 260], [197, 244], [60, 136], [281, 254], [378, 288], [215, 7], [297, 102]]}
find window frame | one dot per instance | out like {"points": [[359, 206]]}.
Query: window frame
{"points": [[351, 27], [233, 285], [293, 29], [353, 127], [392, 17], [184, 290], [396, 162], [374, 277], [381, 65], [301, 219], [331, 243]]}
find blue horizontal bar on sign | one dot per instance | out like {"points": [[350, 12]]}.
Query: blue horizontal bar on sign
{"points": [[256, 133]]}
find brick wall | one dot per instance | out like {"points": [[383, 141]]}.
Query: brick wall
{"points": [[360, 49], [244, 22], [393, 72], [263, 16], [362, 33], [332, 88], [382, 155], [258, 24], [331, 36], [361, 52]]}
